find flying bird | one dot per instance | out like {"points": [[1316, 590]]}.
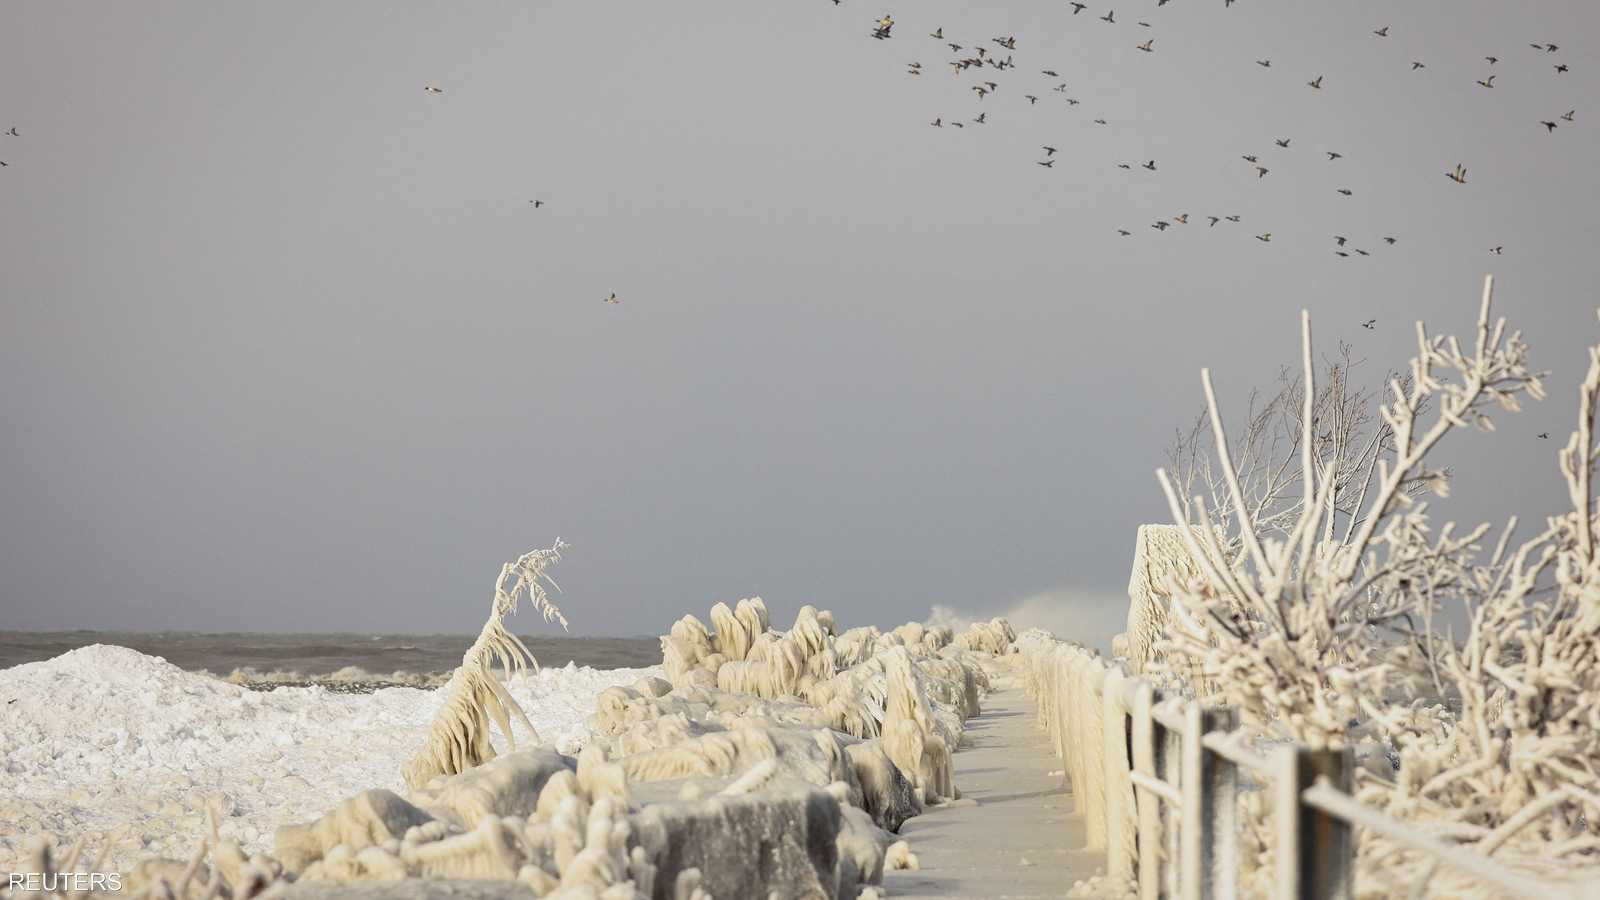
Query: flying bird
{"points": [[1181, 220], [1346, 191], [1161, 225], [1562, 67], [1382, 32], [1487, 82], [13, 132], [1151, 165], [1031, 99], [1497, 249], [1047, 163], [1110, 17], [1125, 166], [1459, 176], [536, 203], [1390, 241], [1231, 218], [1264, 238], [1543, 436], [1340, 239], [982, 119], [1261, 172], [1492, 59], [1316, 83], [1049, 151], [1362, 252], [1214, 221], [1369, 323], [1078, 8], [1250, 159], [1051, 72], [1146, 45], [937, 34], [1264, 63], [613, 298], [1416, 65], [432, 90], [1124, 232], [1333, 155], [1283, 142], [1100, 121], [1569, 114], [1549, 126], [955, 48], [1551, 48]]}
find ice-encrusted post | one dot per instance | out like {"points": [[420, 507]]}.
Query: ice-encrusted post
{"points": [[1316, 850], [1209, 863]]}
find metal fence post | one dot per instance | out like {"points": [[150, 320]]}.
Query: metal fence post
{"points": [[1144, 760], [1209, 850], [1169, 768], [1316, 851]]}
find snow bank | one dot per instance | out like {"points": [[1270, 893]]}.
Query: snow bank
{"points": [[104, 737]]}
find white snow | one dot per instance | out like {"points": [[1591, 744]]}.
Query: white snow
{"points": [[105, 737]]}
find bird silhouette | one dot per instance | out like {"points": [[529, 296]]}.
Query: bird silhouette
{"points": [[937, 123], [1250, 159], [916, 69], [1340, 239], [1051, 72], [1369, 323], [958, 124], [1124, 166], [1231, 218], [613, 298], [536, 203], [937, 34], [1551, 48], [1492, 59], [1459, 176], [1487, 82], [954, 48], [1346, 191], [1264, 63], [1316, 83], [1382, 32], [1390, 241], [1144, 24], [1214, 220], [1341, 253], [1078, 8], [1261, 172], [1265, 237], [1562, 67], [1416, 65], [982, 119], [1543, 435], [1568, 115], [1049, 151], [1100, 121], [1110, 17], [432, 90], [1497, 249], [1151, 165], [1124, 232], [1031, 99], [1362, 252], [1181, 220], [1549, 126], [1010, 42], [1048, 163], [1333, 155], [1161, 225], [4, 164], [13, 132], [1283, 142], [1146, 45]]}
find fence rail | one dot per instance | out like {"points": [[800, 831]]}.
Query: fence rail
{"points": [[1157, 779]]}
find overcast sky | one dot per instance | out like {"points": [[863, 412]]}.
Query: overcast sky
{"points": [[284, 346]]}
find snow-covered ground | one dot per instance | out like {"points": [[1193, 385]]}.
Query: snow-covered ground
{"points": [[105, 737]]}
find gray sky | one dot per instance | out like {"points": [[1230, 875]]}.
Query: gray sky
{"points": [[283, 346]]}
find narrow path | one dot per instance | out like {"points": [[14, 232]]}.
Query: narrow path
{"points": [[1019, 837]]}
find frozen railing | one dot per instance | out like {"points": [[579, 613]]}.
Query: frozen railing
{"points": [[1161, 773]]}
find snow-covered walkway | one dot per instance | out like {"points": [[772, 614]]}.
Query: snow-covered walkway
{"points": [[1019, 837]]}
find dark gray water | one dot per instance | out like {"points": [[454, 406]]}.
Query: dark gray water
{"points": [[314, 655]]}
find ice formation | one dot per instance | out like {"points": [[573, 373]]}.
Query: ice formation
{"points": [[810, 744]]}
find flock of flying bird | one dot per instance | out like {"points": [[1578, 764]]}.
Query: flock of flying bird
{"points": [[983, 57]]}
